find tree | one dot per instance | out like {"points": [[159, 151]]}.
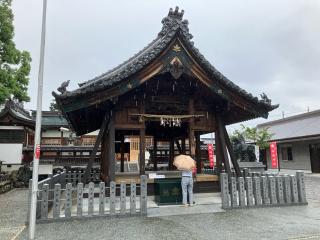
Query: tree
{"points": [[241, 139], [54, 106], [14, 64], [259, 137]]}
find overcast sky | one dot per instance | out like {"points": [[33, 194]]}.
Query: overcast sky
{"points": [[267, 46]]}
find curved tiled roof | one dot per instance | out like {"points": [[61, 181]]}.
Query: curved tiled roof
{"points": [[173, 25], [17, 111]]}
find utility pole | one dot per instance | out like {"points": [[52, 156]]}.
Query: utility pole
{"points": [[36, 150]]}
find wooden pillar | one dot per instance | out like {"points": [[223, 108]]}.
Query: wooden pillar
{"points": [[61, 138], [155, 150], [122, 153], [191, 131], [111, 150], [231, 152], [171, 154], [74, 155], [218, 150], [104, 164], [225, 157], [198, 153], [142, 151], [104, 128], [183, 146]]}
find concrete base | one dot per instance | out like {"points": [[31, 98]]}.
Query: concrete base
{"points": [[204, 203]]}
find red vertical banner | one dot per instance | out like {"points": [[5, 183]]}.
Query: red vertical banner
{"points": [[211, 155], [38, 152], [274, 155]]}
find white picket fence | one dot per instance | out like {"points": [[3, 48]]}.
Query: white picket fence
{"points": [[262, 190]]}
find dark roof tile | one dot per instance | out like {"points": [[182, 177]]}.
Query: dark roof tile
{"points": [[173, 24]]}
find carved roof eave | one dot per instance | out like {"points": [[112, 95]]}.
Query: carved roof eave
{"points": [[173, 26]]}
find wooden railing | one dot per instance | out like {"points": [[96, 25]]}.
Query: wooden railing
{"points": [[69, 161], [58, 141]]}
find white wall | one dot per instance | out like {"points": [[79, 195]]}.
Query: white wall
{"points": [[12, 127], [53, 133], [45, 169], [14, 167], [94, 133], [11, 153], [300, 154]]}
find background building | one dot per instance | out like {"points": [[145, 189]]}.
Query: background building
{"points": [[298, 141]]}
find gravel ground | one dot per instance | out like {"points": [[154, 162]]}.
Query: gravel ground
{"points": [[267, 223], [301, 222]]}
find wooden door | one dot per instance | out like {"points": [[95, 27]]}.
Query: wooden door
{"points": [[315, 157]]}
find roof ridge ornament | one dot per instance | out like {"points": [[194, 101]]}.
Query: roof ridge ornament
{"points": [[176, 13], [173, 22], [265, 99], [63, 87]]}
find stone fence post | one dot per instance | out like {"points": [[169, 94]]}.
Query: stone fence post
{"points": [[224, 185], [143, 195]]}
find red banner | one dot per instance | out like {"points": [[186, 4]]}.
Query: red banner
{"points": [[211, 155], [274, 155], [38, 152]]}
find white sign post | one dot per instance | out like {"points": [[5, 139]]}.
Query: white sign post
{"points": [[36, 152], [257, 152]]}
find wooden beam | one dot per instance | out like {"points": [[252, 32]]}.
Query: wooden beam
{"points": [[103, 127], [171, 154], [218, 149], [191, 131], [122, 153], [155, 150], [198, 153], [231, 152], [225, 157], [183, 145], [142, 162], [111, 149]]}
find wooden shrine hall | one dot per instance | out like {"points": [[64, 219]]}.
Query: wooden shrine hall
{"points": [[168, 91]]}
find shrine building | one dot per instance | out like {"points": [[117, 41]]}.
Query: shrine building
{"points": [[167, 91]]}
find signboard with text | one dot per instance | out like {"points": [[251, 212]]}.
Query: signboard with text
{"points": [[274, 155], [211, 155]]}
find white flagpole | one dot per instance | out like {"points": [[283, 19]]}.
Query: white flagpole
{"points": [[36, 151]]}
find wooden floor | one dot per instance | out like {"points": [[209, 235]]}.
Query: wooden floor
{"points": [[203, 183]]}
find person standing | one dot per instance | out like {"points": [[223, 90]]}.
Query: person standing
{"points": [[187, 187]]}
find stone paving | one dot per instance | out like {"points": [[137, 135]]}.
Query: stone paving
{"points": [[13, 213], [313, 187], [302, 222]]}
